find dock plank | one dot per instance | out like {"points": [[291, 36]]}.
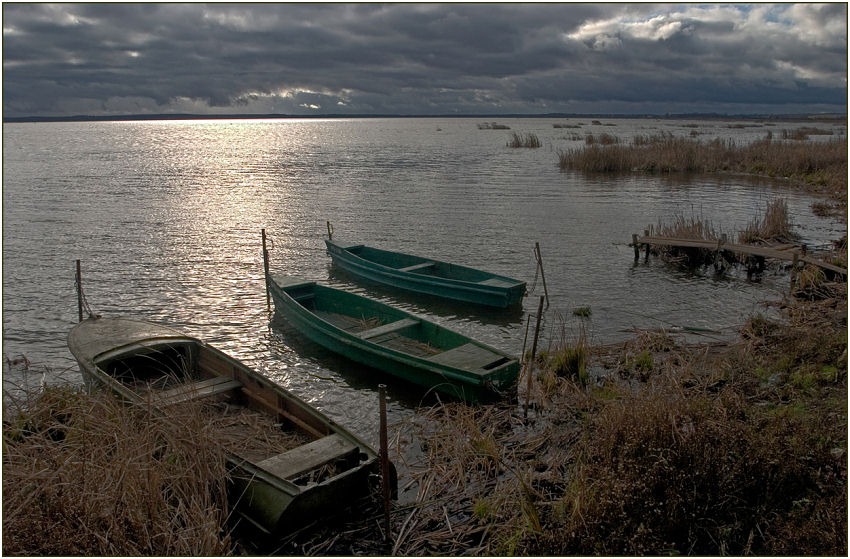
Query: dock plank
{"points": [[779, 252]]}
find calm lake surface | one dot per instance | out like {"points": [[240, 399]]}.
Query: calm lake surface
{"points": [[166, 218]]}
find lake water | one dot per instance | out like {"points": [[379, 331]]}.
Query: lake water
{"points": [[166, 218]]}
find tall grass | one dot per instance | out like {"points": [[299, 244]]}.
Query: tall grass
{"points": [[683, 450], [774, 226], [88, 475], [529, 140], [821, 165]]}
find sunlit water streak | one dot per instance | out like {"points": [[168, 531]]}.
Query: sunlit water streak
{"points": [[166, 219]]}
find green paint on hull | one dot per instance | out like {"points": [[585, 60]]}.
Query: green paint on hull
{"points": [[394, 341], [422, 275]]}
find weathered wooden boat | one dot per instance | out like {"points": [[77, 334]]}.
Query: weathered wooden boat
{"points": [[394, 341], [424, 275], [323, 467]]}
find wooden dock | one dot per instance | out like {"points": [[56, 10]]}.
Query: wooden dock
{"points": [[791, 252]]}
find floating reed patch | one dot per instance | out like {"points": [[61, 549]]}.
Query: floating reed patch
{"points": [[88, 475], [493, 126], [529, 140]]}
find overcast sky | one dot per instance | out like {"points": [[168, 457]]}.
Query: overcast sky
{"points": [[312, 59]]}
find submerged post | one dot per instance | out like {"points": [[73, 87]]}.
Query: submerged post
{"points": [[79, 292], [646, 234], [542, 275], [794, 271], [530, 368], [330, 231], [385, 460], [637, 247], [266, 272]]}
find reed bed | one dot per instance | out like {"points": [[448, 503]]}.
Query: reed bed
{"points": [[88, 475], [820, 165]]}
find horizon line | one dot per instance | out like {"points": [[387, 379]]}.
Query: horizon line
{"points": [[256, 116]]}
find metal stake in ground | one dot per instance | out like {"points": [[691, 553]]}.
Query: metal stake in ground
{"points": [[385, 460], [530, 368]]}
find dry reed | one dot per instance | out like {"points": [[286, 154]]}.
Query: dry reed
{"points": [[529, 140], [88, 475], [682, 450], [822, 166], [774, 227]]}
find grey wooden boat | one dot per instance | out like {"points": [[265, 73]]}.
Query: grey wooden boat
{"points": [[277, 492]]}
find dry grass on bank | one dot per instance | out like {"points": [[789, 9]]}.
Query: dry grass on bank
{"points": [[87, 475], [822, 165], [683, 450]]}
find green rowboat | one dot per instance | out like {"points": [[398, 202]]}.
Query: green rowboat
{"points": [[323, 468], [394, 341], [424, 275]]}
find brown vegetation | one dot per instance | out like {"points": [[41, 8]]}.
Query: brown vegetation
{"points": [[822, 166], [529, 140], [681, 450], [87, 475]]}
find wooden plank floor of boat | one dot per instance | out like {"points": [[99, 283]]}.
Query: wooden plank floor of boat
{"points": [[469, 357]]}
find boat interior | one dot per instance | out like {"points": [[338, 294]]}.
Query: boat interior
{"points": [[403, 333], [251, 419]]}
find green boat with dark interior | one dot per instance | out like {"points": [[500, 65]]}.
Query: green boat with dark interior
{"points": [[288, 464], [394, 341], [426, 275]]}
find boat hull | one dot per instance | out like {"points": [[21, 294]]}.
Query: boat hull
{"points": [[494, 379], [271, 505], [421, 275]]}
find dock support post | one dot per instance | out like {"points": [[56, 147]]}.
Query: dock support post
{"points": [[529, 369], [646, 234], [385, 460], [79, 283], [266, 272]]}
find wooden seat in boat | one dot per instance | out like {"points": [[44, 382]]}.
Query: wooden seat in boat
{"points": [[302, 459]]}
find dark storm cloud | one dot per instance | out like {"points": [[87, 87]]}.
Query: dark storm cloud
{"points": [[62, 59]]}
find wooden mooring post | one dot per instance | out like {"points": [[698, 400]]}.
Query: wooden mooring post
{"points": [[266, 273], [79, 282], [539, 257], [529, 368]]}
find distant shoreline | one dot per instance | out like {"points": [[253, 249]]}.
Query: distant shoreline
{"points": [[700, 116]]}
